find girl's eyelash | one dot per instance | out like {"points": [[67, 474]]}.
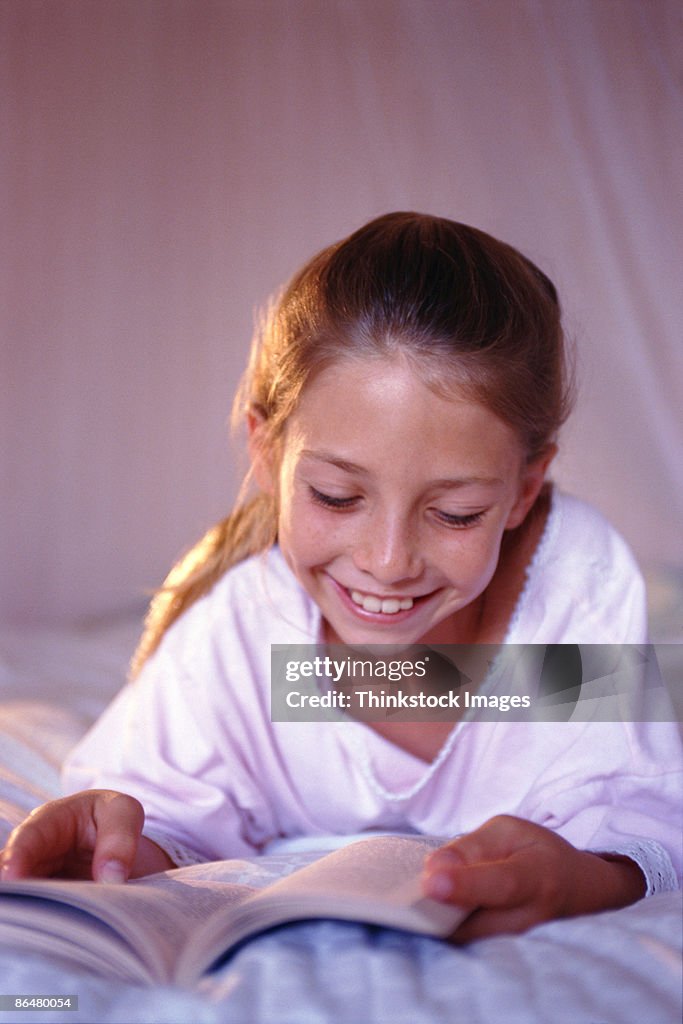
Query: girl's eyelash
{"points": [[340, 504], [461, 521], [328, 501]]}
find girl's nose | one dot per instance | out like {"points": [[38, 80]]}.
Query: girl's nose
{"points": [[388, 551]]}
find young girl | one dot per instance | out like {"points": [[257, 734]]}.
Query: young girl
{"points": [[403, 401]]}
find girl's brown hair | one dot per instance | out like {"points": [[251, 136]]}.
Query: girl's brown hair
{"points": [[465, 308]]}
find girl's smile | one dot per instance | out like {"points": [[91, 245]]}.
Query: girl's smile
{"points": [[393, 502]]}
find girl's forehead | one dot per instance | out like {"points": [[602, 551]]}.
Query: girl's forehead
{"points": [[396, 372], [374, 409]]}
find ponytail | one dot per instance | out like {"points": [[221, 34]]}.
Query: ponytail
{"points": [[249, 529]]}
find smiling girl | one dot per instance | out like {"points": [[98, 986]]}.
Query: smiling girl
{"points": [[403, 401]]}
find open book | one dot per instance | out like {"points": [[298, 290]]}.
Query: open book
{"points": [[177, 925]]}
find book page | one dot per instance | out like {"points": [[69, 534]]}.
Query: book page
{"points": [[141, 926], [375, 881], [176, 924], [36, 926]]}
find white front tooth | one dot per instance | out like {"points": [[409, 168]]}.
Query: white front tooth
{"points": [[388, 605]]}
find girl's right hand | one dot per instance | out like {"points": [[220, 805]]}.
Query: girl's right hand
{"points": [[94, 834]]}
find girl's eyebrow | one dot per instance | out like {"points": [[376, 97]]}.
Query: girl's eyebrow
{"points": [[333, 460], [351, 467], [469, 481]]}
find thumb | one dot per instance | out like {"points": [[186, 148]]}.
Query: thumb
{"points": [[118, 819]]}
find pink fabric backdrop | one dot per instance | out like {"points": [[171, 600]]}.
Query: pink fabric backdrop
{"points": [[166, 163]]}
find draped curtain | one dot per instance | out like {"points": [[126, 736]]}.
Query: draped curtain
{"points": [[166, 164]]}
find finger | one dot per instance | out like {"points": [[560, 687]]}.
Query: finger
{"points": [[60, 837], [439, 871], [482, 924], [496, 839], [39, 845], [496, 884], [118, 821], [12, 864]]}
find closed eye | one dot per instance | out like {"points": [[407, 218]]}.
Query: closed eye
{"points": [[460, 521], [329, 501]]}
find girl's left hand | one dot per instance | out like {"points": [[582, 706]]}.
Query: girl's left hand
{"points": [[514, 874]]}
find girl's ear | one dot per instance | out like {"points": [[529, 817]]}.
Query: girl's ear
{"points": [[531, 481], [260, 453]]}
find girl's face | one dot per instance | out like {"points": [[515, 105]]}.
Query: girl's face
{"points": [[393, 502]]}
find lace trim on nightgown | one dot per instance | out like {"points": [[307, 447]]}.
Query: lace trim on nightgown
{"points": [[550, 530], [653, 861], [181, 855]]}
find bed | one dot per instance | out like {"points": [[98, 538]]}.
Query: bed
{"points": [[616, 968]]}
